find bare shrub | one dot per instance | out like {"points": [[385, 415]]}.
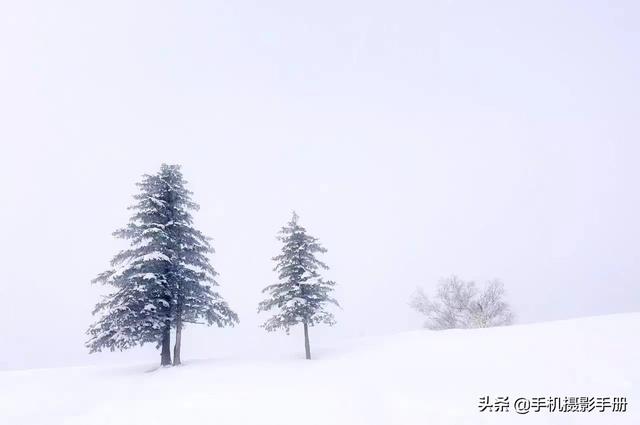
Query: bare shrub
{"points": [[461, 305]]}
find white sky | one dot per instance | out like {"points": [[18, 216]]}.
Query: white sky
{"points": [[415, 139]]}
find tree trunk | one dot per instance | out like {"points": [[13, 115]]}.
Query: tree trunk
{"points": [[307, 348], [165, 355], [176, 348]]}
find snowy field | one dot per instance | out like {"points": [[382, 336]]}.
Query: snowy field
{"points": [[420, 377]]}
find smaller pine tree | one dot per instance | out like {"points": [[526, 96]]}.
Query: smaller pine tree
{"points": [[301, 294]]}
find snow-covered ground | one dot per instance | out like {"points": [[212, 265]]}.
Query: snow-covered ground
{"points": [[419, 377]]}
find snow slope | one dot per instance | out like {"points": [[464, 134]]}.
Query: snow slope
{"points": [[420, 377]]}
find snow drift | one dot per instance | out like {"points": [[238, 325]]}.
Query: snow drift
{"points": [[420, 377]]}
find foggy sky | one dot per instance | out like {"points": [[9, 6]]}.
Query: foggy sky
{"points": [[417, 140]]}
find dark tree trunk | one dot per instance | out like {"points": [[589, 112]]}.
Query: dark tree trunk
{"points": [[165, 354], [307, 348], [176, 348]]}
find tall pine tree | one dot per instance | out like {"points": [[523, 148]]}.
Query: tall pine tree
{"points": [[164, 279], [301, 294]]}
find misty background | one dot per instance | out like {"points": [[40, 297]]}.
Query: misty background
{"points": [[416, 139]]}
